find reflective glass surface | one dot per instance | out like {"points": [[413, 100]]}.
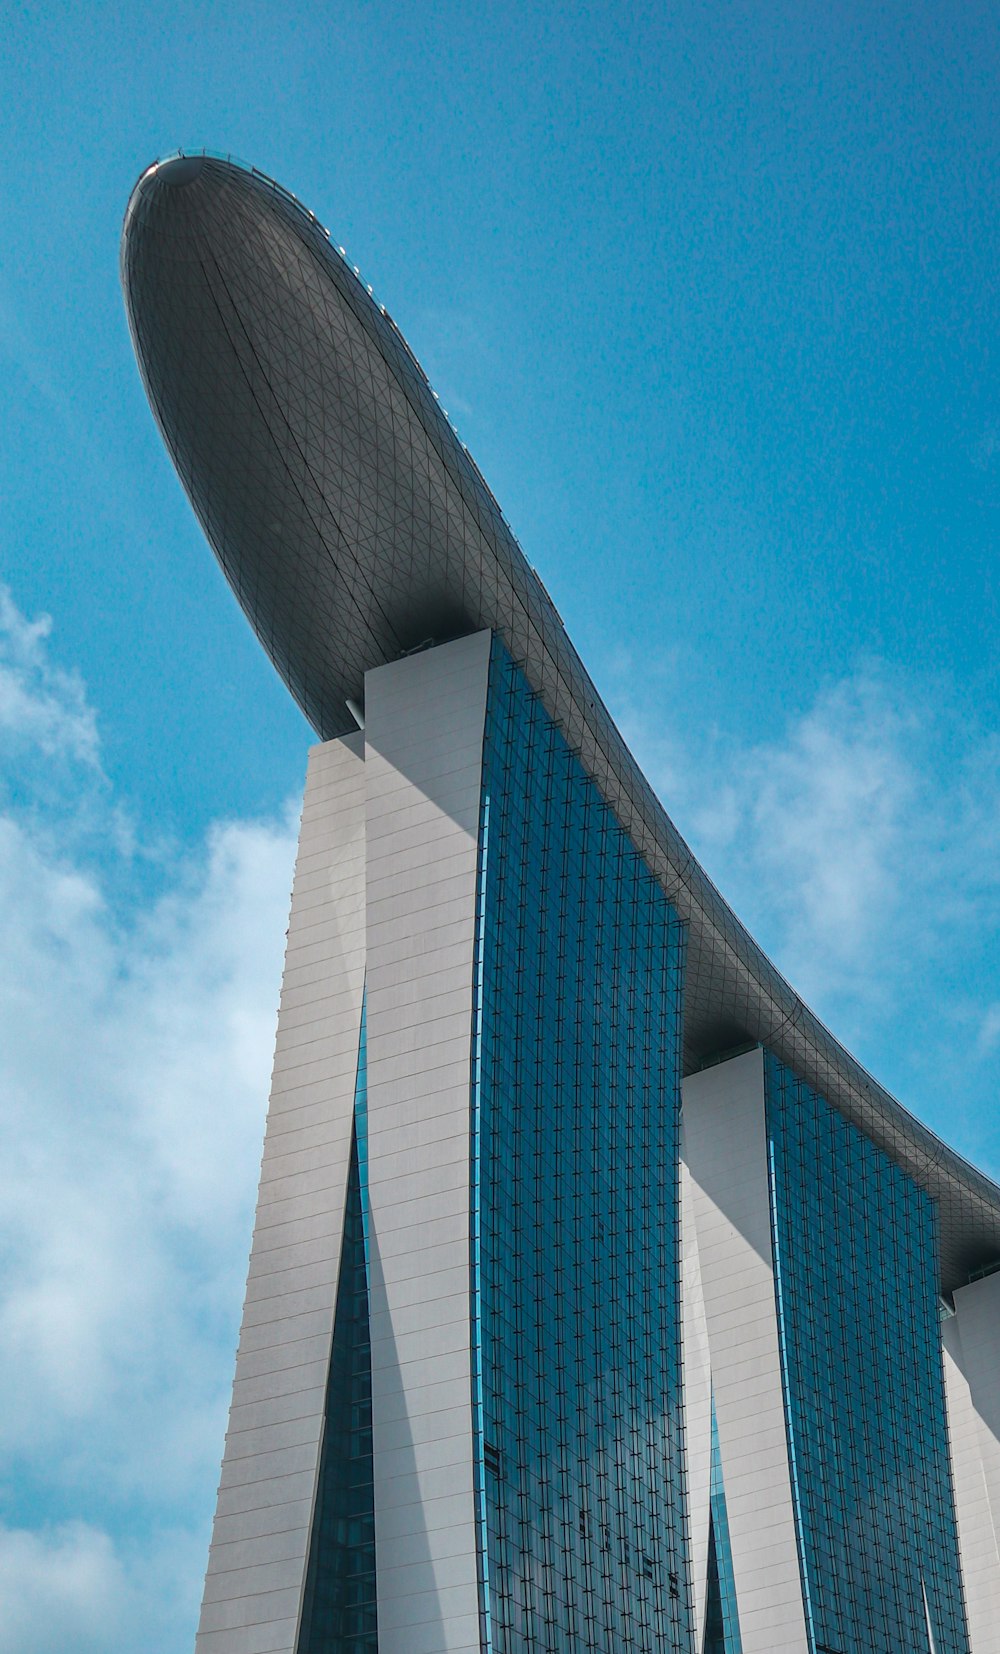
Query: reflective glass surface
{"points": [[856, 1261], [339, 1607], [575, 1230], [722, 1625]]}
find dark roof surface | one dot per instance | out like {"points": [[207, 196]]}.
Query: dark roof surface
{"points": [[353, 525]]}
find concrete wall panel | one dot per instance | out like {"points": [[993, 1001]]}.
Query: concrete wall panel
{"points": [[725, 1149], [424, 733], [260, 1540]]}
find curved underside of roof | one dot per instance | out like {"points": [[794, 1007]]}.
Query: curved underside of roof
{"points": [[353, 526]]}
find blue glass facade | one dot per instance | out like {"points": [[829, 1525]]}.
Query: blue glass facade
{"points": [[339, 1612], [575, 1245], [580, 1485], [855, 1252], [722, 1621]]}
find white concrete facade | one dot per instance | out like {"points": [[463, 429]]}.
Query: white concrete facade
{"points": [[260, 1540], [972, 1387], [726, 1182], [384, 894], [424, 724]]}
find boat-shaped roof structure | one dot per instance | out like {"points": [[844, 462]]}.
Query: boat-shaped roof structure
{"points": [[354, 526]]}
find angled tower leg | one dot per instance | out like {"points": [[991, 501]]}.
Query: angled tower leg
{"points": [[424, 729], [725, 1151], [260, 1541]]}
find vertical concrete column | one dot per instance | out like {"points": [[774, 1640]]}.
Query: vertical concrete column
{"points": [[971, 1339], [725, 1148], [424, 730], [260, 1540]]}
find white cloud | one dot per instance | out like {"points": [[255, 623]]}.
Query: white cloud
{"points": [[60, 1589], [42, 707], [986, 448], [823, 823], [137, 1045], [989, 1031], [69, 1587], [861, 846]]}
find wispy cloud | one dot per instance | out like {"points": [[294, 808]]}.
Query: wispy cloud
{"points": [[136, 1048], [862, 845], [826, 824], [989, 1031], [71, 1586], [986, 449], [43, 709]]}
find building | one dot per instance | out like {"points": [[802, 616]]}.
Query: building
{"points": [[598, 1299]]}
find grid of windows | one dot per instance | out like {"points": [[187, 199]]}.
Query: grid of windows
{"points": [[339, 1605], [722, 1625], [855, 1253], [575, 1245]]}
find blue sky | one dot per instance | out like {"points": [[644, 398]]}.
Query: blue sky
{"points": [[710, 291]]}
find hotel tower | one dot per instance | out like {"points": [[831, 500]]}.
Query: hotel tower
{"points": [[599, 1302]]}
